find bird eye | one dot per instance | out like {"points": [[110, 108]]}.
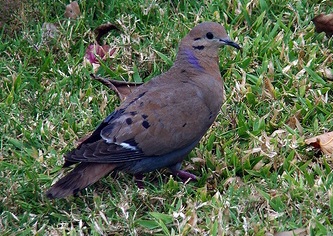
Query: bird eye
{"points": [[209, 35]]}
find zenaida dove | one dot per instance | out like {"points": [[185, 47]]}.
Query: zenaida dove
{"points": [[160, 122]]}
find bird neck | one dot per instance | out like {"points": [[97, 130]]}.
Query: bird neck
{"points": [[198, 61]]}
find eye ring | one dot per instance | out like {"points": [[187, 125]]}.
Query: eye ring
{"points": [[210, 35]]}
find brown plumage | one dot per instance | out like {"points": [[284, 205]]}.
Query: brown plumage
{"points": [[160, 122]]}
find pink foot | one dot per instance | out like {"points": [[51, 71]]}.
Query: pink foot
{"points": [[185, 176]]}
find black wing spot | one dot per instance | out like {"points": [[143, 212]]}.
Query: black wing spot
{"points": [[184, 124], [182, 71], [129, 121], [133, 113], [199, 47], [197, 39], [145, 124], [144, 116]]}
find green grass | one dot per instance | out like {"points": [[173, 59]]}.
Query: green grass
{"points": [[257, 174]]}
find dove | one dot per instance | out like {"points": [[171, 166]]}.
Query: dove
{"points": [[160, 122]]}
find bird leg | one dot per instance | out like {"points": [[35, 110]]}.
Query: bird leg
{"points": [[184, 175], [139, 181]]}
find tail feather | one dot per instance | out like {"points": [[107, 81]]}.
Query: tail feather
{"points": [[83, 175]]}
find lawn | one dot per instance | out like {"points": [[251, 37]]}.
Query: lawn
{"points": [[257, 175]]}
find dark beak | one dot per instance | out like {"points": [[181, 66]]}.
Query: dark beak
{"points": [[230, 43]]}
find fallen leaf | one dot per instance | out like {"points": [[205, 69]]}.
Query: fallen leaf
{"points": [[122, 88], [323, 141], [268, 88], [293, 122], [94, 50], [72, 10], [102, 30], [193, 219], [324, 23], [97, 51]]}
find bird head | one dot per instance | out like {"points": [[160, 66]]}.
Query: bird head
{"points": [[207, 38]]}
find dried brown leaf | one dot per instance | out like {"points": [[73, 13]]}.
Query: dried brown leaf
{"points": [[72, 10], [269, 88], [324, 23], [122, 88], [293, 122], [95, 52], [193, 219], [323, 141], [102, 30], [103, 52]]}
